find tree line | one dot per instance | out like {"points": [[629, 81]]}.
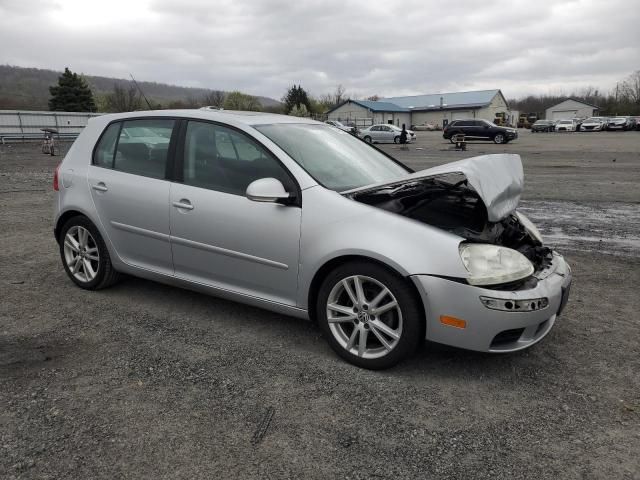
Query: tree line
{"points": [[624, 99], [72, 93]]}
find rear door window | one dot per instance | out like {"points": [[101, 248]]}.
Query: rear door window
{"points": [[143, 147]]}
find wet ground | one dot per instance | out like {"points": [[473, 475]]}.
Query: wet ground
{"points": [[146, 381]]}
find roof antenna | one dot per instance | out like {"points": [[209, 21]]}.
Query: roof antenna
{"points": [[141, 92]]}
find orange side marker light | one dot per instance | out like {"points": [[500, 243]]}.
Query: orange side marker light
{"points": [[453, 321]]}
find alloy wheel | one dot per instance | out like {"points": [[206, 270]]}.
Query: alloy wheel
{"points": [[364, 316], [499, 138], [81, 254]]}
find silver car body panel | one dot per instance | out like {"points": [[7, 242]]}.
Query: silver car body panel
{"points": [[267, 254]]}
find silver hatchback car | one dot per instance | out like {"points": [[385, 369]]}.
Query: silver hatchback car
{"points": [[304, 219]]}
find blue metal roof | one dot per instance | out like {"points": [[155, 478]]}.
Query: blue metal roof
{"points": [[456, 99], [380, 106]]}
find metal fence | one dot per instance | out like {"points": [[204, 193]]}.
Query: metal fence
{"points": [[24, 125]]}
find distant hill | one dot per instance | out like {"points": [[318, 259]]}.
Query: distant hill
{"points": [[28, 89]]}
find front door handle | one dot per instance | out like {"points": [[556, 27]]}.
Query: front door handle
{"points": [[101, 187], [184, 203]]}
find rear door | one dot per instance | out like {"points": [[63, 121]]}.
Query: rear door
{"points": [[131, 194], [220, 237]]}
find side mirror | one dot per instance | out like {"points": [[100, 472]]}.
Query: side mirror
{"points": [[267, 190]]}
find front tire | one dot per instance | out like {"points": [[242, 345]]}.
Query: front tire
{"points": [[368, 139], [396, 139], [369, 315], [498, 138], [85, 256]]}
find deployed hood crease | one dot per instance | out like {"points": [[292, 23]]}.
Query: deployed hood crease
{"points": [[498, 180]]}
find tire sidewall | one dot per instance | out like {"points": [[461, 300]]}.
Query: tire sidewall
{"points": [[498, 136], [411, 309], [104, 262], [368, 139]]}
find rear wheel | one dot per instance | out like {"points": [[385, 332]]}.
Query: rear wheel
{"points": [[498, 138], [85, 256], [369, 315]]}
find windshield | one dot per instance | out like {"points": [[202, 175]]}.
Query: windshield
{"points": [[491, 124], [334, 158], [565, 121]]}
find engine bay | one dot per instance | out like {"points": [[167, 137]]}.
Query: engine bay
{"points": [[448, 202]]}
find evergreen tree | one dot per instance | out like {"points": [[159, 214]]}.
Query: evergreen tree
{"points": [[296, 96], [72, 94]]}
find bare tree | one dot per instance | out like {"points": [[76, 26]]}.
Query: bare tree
{"points": [[123, 99], [374, 98], [213, 98], [630, 88]]}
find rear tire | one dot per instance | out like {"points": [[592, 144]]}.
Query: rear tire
{"points": [[85, 256], [374, 326]]}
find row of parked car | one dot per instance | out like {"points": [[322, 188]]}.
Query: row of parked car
{"points": [[592, 124]]}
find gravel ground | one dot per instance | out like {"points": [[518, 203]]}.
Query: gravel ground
{"points": [[148, 381]]}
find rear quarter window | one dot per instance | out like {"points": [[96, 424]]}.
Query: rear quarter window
{"points": [[103, 154]]}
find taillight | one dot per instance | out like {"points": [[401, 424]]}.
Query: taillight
{"points": [[56, 185]]}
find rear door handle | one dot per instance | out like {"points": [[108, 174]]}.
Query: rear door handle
{"points": [[184, 203], [101, 187]]}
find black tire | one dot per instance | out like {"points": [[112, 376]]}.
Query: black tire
{"points": [[106, 275], [499, 138], [411, 308], [368, 139], [396, 139]]}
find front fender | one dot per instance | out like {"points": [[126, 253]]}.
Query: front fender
{"points": [[334, 226]]}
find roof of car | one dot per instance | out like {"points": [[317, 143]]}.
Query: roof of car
{"points": [[230, 116]]}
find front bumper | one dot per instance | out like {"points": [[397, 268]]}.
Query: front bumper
{"points": [[511, 135], [489, 330]]}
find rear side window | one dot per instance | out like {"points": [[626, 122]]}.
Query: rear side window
{"points": [[104, 153], [143, 146]]}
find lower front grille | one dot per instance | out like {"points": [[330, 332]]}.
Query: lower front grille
{"points": [[507, 336]]}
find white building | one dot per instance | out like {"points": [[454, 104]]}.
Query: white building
{"points": [[438, 108], [569, 109]]}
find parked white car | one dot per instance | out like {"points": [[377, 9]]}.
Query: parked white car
{"points": [[385, 133], [593, 124], [565, 126]]}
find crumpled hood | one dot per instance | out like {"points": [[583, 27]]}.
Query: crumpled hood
{"points": [[498, 179]]}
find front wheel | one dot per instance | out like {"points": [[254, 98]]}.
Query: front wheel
{"points": [[367, 139], [85, 256], [396, 139], [498, 138], [369, 315]]}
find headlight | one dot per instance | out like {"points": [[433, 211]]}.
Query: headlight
{"points": [[492, 264], [529, 226]]}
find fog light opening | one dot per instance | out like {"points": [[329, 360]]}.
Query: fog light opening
{"points": [[507, 305]]}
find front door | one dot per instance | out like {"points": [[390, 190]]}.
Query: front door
{"points": [[131, 195], [221, 238]]}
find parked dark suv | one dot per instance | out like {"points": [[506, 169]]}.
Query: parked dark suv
{"points": [[479, 130]]}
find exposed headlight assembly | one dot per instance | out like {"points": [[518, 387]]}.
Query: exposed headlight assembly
{"points": [[529, 226], [493, 265]]}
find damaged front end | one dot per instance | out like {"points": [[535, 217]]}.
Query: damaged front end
{"points": [[475, 199]]}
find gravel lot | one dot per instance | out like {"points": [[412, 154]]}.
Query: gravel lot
{"points": [[148, 381]]}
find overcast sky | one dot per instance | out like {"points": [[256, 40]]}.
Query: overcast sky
{"points": [[388, 47]]}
